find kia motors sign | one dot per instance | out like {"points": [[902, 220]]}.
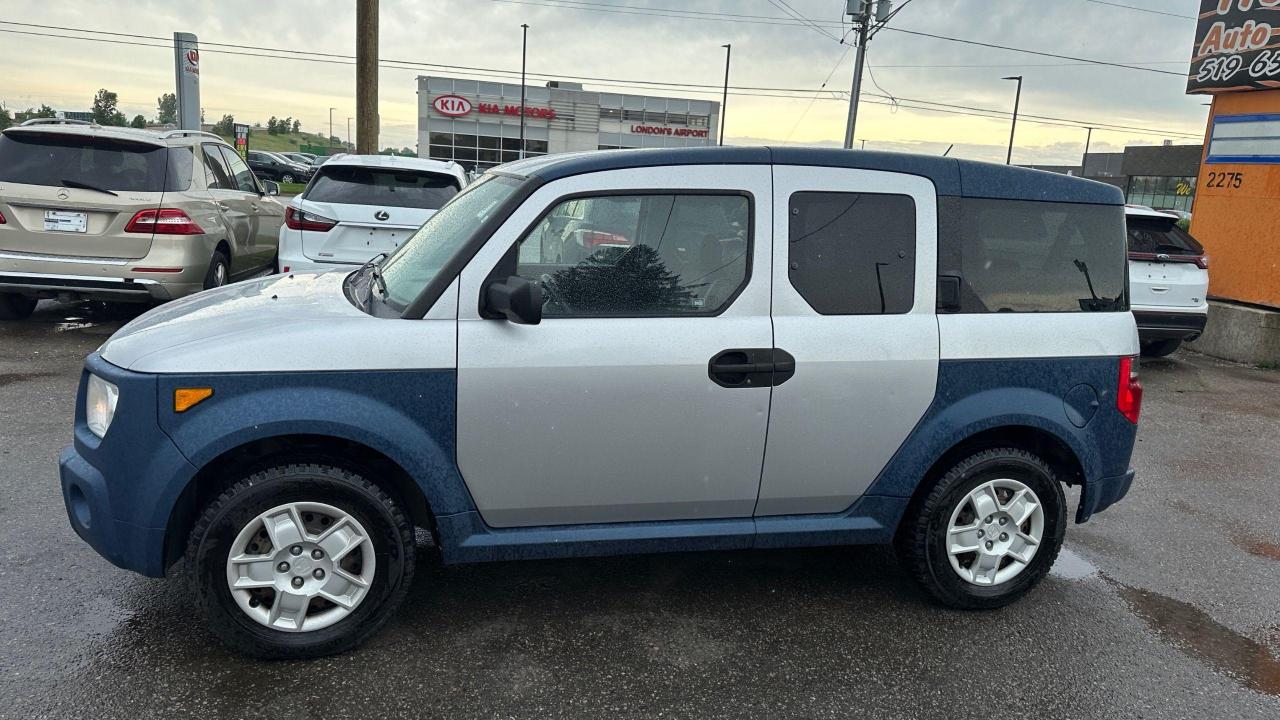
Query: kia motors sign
{"points": [[452, 105], [1237, 46]]}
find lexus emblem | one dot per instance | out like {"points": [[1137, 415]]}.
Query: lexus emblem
{"points": [[63, 194], [381, 215]]}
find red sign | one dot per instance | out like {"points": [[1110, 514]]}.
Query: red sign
{"points": [[452, 105], [659, 130], [533, 112]]}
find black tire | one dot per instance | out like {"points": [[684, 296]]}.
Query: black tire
{"points": [[923, 533], [212, 279], [286, 178], [215, 532], [16, 307], [1160, 348]]}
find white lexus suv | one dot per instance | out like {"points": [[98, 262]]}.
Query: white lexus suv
{"points": [[360, 206], [1168, 281]]}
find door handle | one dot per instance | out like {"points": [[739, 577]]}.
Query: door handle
{"points": [[751, 367]]}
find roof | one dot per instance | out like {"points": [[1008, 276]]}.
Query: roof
{"points": [[951, 177], [159, 138]]}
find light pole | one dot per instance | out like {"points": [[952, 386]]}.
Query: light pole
{"points": [[524, 54], [1017, 98], [330, 143], [348, 131], [1084, 161], [724, 98]]}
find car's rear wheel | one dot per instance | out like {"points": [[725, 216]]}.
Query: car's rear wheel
{"points": [[300, 561], [219, 271], [287, 177], [16, 307], [987, 532], [1160, 348]]}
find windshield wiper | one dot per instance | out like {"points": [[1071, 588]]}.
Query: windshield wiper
{"points": [[86, 186], [375, 278]]}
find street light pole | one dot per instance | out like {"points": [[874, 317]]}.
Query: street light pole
{"points": [[1088, 140], [524, 54], [330, 143], [724, 98], [348, 131], [1017, 99], [863, 20]]}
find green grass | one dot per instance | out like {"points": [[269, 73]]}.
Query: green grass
{"points": [[291, 188]]}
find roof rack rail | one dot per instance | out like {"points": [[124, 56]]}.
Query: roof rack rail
{"points": [[190, 133], [55, 121]]}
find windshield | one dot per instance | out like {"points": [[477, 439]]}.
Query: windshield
{"points": [[98, 162], [389, 187], [423, 255]]}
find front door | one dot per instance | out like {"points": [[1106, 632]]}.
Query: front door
{"points": [[621, 405], [854, 288]]}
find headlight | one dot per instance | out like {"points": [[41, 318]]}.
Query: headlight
{"points": [[100, 404]]}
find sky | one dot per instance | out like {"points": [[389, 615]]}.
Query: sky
{"points": [[579, 38]]}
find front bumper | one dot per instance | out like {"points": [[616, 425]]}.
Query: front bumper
{"points": [[1169, 325], [1098, 495]]}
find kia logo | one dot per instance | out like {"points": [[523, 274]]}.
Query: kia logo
{"points": [[452, 105], [381, 215]]}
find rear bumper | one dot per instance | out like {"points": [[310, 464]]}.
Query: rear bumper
{"points": [[298, 263], [51, 284], [1169, 325], [1098, 495]]}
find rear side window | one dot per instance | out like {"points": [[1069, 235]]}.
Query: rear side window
{"points": [[388, 187], [1024, 256], [853, 253], [241, 175], [97, 162], [1158, 236], [216, 173]]}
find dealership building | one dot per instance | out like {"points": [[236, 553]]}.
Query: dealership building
{"points": [[477, 123]]}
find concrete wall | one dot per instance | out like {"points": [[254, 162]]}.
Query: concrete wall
{"points": [[1241, 333]]}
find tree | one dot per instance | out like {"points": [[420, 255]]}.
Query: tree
{"points": [[167, 109], [138, 122], [44, 112], [272, 124], [226, 126], [297, 126], [5, 119], [105, 111]]}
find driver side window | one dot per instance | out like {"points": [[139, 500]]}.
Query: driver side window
{"points": [[639, 255]]}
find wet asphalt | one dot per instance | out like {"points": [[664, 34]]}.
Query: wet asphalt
{"points": [[1165, 606]]}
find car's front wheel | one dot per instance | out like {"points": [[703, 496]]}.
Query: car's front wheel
{"points": [[300, 561], [16, 307], [987, 532], [287, 178]]}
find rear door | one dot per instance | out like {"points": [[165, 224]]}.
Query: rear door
{"points": [[263, 213], [236, 214], [1164, 265], [71, 194], [854, 288], [376, 209]]}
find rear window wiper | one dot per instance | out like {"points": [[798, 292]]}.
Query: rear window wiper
{"points": [[86, 186]]}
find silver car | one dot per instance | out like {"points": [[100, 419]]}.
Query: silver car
{"points": [[121, 214]]}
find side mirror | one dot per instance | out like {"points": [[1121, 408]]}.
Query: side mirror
{"points": [[517, 299], [271, 186]]}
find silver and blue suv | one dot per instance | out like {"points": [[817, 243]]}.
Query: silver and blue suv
{"points": [[755, 348]]}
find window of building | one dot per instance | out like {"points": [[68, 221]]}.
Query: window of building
{"points": [[440, 152], [633, 115], [1245, 139], [677, 119], [1024, 256], [538, 147], [698, 120], [655, 117], [1162, 193], [853, 253], [639, 255], [610, 113]]}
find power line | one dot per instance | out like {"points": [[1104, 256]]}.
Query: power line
{"points": [[814, 99], [1142, 9], [787, 9], [732, 17], [494, 73]]}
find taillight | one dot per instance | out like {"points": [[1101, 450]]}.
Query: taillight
{"points": [[595, 238], [1129, 389], [2, 220], [296, 219], [163, 221], [1200, 261]]}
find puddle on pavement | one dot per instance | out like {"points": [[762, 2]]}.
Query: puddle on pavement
{"points": [[1070, 566], [1192, 630], [11, 378]]}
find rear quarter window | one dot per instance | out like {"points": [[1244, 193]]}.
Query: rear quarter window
{"points": [[106, 163], [388, 187], [1027, 256]]}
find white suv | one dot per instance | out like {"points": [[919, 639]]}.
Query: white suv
{"points": [[360, 206], [1168, 281]]}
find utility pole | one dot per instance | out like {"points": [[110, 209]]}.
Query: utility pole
{"points": [[724, 99], [330, 141], [366, 77], [524, 56], [349, 131], [1017, 99], [860, 14], [1088, 140]]}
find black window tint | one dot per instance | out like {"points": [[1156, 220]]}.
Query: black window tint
{"points": [[388, 187], [639, 255], [109, 164], [853, 253], [1156, 235], [216, 173], [240, 173], [1023, 256]]}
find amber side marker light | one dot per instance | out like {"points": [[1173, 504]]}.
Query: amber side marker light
{"points": [[186, 398]]}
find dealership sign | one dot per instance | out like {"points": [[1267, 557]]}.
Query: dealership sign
{"points": [[660, 130], [457, 106], [1237, 46]]}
